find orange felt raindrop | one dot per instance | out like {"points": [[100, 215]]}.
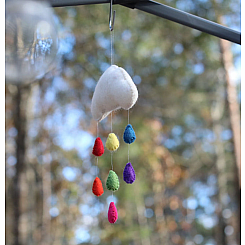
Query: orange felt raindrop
{"points": [[97, 187], [98, 149]]}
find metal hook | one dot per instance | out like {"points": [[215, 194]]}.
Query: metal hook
{"points": [[111, 18]]}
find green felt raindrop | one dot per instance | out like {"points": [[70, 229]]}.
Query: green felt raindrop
{"points": [[112, 182]]}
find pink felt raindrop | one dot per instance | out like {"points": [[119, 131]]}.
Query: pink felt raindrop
{"points": [[112, 213]]}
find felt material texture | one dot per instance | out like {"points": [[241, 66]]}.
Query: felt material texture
{"points": [[112, 213], [114, 90], [129, 174], [98, 149], [112, 182], [129, 134], [112, 142], [97, 187]]}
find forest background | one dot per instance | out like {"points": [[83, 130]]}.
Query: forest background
{"points": [[187, 122]]}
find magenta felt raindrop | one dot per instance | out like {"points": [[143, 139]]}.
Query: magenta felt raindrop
{"points": [[112, 213]]}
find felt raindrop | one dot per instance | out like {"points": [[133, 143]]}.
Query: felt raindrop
{"points": [[129, 174], [129, 134], [112, 213], [112, 182], [97, 187], [112, 142], [98, 149]]}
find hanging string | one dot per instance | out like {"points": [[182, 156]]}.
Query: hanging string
{"points": [[128, 144], [111, 162], [97, 129], [97, 158], [111, 154], [111, 122], [112, 47], [97, 170], [128, 152], [112, 62], [112, 170], [128, 116]]}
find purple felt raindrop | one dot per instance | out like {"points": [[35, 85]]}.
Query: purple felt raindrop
{"points": [[129, 174]]}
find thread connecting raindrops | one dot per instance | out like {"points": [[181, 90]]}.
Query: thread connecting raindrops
{"points": [[129, 137], [98, 150]]}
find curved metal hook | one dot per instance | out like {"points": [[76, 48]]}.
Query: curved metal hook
{"points": [[111, 18]]}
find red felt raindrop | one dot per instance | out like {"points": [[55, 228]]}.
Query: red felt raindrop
{"points": [[97, 187], [98, 149]]}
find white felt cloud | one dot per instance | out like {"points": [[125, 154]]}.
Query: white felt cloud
{"points": [[114, 90]]}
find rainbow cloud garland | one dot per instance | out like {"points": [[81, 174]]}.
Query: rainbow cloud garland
{"points": [[114, 90]]}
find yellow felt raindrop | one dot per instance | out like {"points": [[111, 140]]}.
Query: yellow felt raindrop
{"points": [[112, 142]]}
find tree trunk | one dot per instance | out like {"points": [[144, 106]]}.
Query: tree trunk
{"points": [[234, 116], [217, 111], [20, 125], [234, 110]]}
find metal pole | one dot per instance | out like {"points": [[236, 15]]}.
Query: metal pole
{"points": [[65, 3], [187, 19]]}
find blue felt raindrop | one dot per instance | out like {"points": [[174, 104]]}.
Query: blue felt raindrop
{"points": [[129, 134]]}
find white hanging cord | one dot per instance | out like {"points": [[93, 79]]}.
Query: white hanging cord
{"points": [[97, 158], [111, 162], [97, 172], [128, 116], [112, 170], [128, 144], [128, 152], [97, 129], [111, 26], [112, 47], [111, 152], [111, 122], [111, 155]]}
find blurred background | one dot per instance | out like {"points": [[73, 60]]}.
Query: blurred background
{"points": [[187, 122]]}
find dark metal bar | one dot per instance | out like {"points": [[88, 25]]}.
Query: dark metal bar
{"points": [[187, 19], [65, 3], [166, 12]]}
